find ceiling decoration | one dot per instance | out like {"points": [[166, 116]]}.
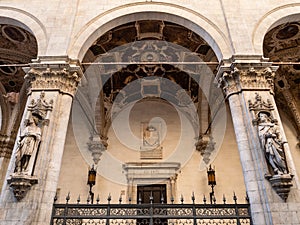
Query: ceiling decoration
{"points": [[282, 44], [17, 46], [151, 41], [153, 30]]}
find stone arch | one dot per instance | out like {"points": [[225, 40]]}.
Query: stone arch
{"points": [[201, 25], [5, 110], [25, 20], [273, 18]]}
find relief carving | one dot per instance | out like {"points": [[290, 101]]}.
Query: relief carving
{"points": [[244, 78], [64, 76]]}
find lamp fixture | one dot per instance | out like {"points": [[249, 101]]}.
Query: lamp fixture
{"points": [[212, 182], [91, 182]]}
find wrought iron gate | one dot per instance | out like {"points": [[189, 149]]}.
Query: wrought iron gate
{"points": [[151, 214]]}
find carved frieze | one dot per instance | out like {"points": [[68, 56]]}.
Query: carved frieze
{"points": [[62, 76], [247, 78]]}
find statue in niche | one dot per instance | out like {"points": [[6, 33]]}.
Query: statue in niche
{"points": [[271, 142], [28, 145]]}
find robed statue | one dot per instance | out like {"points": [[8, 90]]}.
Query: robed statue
{"points": [[28, 145], [271, 142]]}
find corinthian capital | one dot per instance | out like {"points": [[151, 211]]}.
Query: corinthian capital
{"points": [[54, 73], [246, 73]]}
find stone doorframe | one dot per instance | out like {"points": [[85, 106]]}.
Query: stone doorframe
{"points": [[151, 173]]}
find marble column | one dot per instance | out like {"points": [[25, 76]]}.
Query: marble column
{"points": [[248, 83], [52, 84]]}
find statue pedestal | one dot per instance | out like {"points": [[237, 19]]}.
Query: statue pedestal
{"points": [[282, 184], [20, 184]]}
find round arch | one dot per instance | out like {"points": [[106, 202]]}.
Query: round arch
{"points": [[271, 19], [25, 20], [199, 24]]}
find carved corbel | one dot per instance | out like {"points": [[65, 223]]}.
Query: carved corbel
{"points": [[96, 146], [205, 145]]}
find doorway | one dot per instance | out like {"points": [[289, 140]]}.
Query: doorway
{"points": [[158, 194], [157, 191]]}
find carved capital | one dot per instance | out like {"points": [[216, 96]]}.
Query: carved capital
{"points": [[53, 74], [229, 82], [21, 184], [246, 73], [257, 78]]}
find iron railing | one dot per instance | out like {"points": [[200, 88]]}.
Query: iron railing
{"points": [[151, 214]]}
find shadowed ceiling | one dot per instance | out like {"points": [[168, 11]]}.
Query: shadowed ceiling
{"points": [[17, 46], [282, 45]]}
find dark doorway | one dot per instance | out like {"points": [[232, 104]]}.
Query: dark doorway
{"points": [[157, 193]]}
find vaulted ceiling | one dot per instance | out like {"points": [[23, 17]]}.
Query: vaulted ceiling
{"points": [[282, 46], [17, 46]]}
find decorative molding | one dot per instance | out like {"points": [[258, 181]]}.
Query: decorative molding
{"points": [[6, 146], [258, 106], [40, 107], [62, 74], [246, 73], [21, 184], [148, 172], [282, 184]]}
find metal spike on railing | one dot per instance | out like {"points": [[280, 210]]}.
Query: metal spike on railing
{"points": [[151, 198], [109, 198], [204, 199], [247, 198], [193, 197], [68, 198], [88, 199], [140, 198], [181, 199], [172, 199], [234, 198], [78, 199], [224, 199], [55, 197], [162, 199], [98, 199], [129, 199], [120, 199]]}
